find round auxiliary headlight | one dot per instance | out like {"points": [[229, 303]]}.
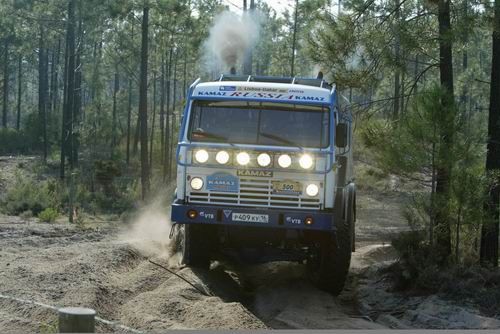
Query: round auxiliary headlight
{"points": [[306, 161], [201, 156], [284, 161], [243, 158], [196, 183], [222, 157], [264, 160], [312, 190]]}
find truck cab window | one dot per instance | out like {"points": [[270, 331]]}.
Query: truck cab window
{"points": [[263, 124]]}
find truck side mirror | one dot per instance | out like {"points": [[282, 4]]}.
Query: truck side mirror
{"points": [[341, 135]]}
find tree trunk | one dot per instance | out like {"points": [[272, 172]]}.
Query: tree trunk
{"points": [[143, 105], [294, 38], [76, 115], [64, 112], [465, 65], [415, 73], [432, 213], [184, 74], [137, 134], [114, 126], [151, 141], [397, 59], [457, 235], [67, 130], [443, 229], [490, 229], [19, 92], [54, 77], [402, 93], [168, 164], [162, 110], [129, 118], [172, 129], [397, 87], [5, 82], [42, 89]]}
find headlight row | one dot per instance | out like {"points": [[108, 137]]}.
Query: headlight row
{"points": [[263, 159]]}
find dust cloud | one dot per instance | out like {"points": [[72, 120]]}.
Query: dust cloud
{"points": [[315, 70], [149, 229], [230, 37], [356, 59]]}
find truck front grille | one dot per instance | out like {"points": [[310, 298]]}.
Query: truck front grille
{"points": [[255, 193]]}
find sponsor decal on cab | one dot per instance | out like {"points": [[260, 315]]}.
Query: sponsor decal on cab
{"points": [[223, 182], [261, 93]]}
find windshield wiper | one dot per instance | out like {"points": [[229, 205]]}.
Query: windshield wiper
{"points": [[208, 135], [280, 139]]}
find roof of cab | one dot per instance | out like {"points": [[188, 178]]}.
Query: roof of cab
{"points": [[265, 91]]}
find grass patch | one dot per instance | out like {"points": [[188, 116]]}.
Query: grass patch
{"points": [[28, 195], [49, 215]]}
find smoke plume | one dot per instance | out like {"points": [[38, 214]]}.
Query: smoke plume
{"points": [[230, 37]]}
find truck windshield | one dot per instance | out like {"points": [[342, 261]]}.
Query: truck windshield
{"points": [[239, 122]]}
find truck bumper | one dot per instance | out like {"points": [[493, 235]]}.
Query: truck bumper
{"points": [[265, 218]]}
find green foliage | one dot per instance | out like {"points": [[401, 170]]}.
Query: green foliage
{"points": [[49, 215], [414, 149], [412, 145], [416, 261], [105, 173], [370, 178], [13, 141], [29, 194], [118, 203], [28, 140], [419, 264]]}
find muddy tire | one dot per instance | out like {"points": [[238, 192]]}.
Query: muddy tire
{"points": [[330, 267], [196, 245]]}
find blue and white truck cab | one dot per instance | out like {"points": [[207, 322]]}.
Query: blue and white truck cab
{"points": [[265, 171]]}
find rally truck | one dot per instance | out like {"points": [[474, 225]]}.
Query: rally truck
{"points": [[265, 173]]}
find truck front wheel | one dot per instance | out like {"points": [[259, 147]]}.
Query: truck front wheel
{"points": [[196, 245], [331, 258]]}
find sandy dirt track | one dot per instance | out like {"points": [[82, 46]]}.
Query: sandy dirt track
{"points": [[62, 265], [93, 265]]}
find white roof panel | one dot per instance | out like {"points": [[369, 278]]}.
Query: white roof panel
{"points": [[262, 91]]}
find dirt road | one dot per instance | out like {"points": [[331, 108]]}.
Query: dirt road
{"points": [[66, 265], [99, 265]]}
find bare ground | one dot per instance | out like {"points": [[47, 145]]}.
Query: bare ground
{"points": [[64, 265], [61, 264]]}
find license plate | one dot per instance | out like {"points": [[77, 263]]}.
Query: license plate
{"points": [[250, 218], [287, 187]]}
